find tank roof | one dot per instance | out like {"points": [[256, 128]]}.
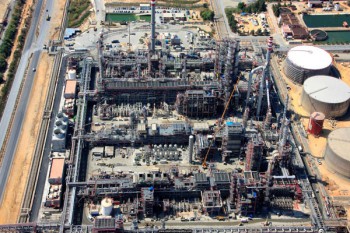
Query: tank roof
{"points": [[339, 142], [309, 57], [327, 89], [319, 116]]}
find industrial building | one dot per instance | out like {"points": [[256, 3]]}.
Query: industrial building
{"points": [[305, 61], [337, 155], [325, 94]]}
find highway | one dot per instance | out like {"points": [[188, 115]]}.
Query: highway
{"points": [[30, 56]]}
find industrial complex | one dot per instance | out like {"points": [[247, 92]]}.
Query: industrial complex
{"points": [[166, 126]]}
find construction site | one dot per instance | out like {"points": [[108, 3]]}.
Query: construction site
{"points": [[190, 134]]}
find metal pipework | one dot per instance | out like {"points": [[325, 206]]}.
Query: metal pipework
{"points": [[251, 80], [153, 25], [261, 92], [284, 134], [265, 72]]}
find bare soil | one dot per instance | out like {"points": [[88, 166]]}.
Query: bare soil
{"points": [[3, 7]]}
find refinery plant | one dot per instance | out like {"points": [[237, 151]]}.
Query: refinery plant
{"points": [[190, 133]]}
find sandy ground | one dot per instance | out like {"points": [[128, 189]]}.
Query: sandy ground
{"points": [[10, 208], [3, 7]]}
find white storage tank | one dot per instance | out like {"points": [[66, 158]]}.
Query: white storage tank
{"points": [[106, 206], [325, 94], [337, 155], [304, 61], [72, 74]]}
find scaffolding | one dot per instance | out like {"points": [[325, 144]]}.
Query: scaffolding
{"points": [[197, 103]]}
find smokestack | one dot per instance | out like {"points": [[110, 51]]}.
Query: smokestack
{"points": [[269, 50], [153, 25]]}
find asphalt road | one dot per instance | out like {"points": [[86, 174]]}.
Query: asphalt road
{"points": [[45, 160], [32, 49]]}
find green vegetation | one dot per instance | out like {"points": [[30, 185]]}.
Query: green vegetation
{"points": [[276, 9], [256, 7], [207, 15], [6, 48], [9, 37], [231, 19], [78, 11]]}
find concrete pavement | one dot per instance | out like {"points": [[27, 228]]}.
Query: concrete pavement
{"points": [[30, 57]]}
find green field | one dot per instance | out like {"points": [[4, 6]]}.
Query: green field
{"points": [[126, 17]]}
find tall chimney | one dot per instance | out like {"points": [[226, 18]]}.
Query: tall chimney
{"points": [[153, 25]]}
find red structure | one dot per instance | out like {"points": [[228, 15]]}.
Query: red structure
{"points": [[316, 123]]}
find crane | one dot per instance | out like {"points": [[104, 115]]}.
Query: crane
{"points": [[204, 164]]}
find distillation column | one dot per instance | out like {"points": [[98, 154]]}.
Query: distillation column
{"points": [[153, 25]]}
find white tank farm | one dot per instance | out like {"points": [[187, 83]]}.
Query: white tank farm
{"points": [[106, 206], [337, 154], [304, 61], [325, 94]]}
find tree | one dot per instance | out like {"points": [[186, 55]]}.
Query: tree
{"points": [[252, 32], [348, 2], [265, 32], [3, 64], [276, 9], [241, 6], [259, 32], [205, 5], [207, 15]]}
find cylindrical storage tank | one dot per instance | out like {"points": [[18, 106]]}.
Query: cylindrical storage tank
{"points": [[72, 74], [316, 123], [337, 154], [62, 117], [325, 94], [106, 206], [59, 133], [61, 124], [303, 62]]}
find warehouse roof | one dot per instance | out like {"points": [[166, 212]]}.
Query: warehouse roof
{"points": [[71, 87], [309, 57], [57, 167], [327, 89]]}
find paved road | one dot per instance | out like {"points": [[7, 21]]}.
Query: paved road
{"points": [[32, 49], [45, 160]]}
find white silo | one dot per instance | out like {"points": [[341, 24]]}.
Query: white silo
{"points": [[72, 74], [304, 61], [337, 155], [106, 206]]}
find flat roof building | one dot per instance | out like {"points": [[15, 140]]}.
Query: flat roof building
{"points": [[56, 171]]}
